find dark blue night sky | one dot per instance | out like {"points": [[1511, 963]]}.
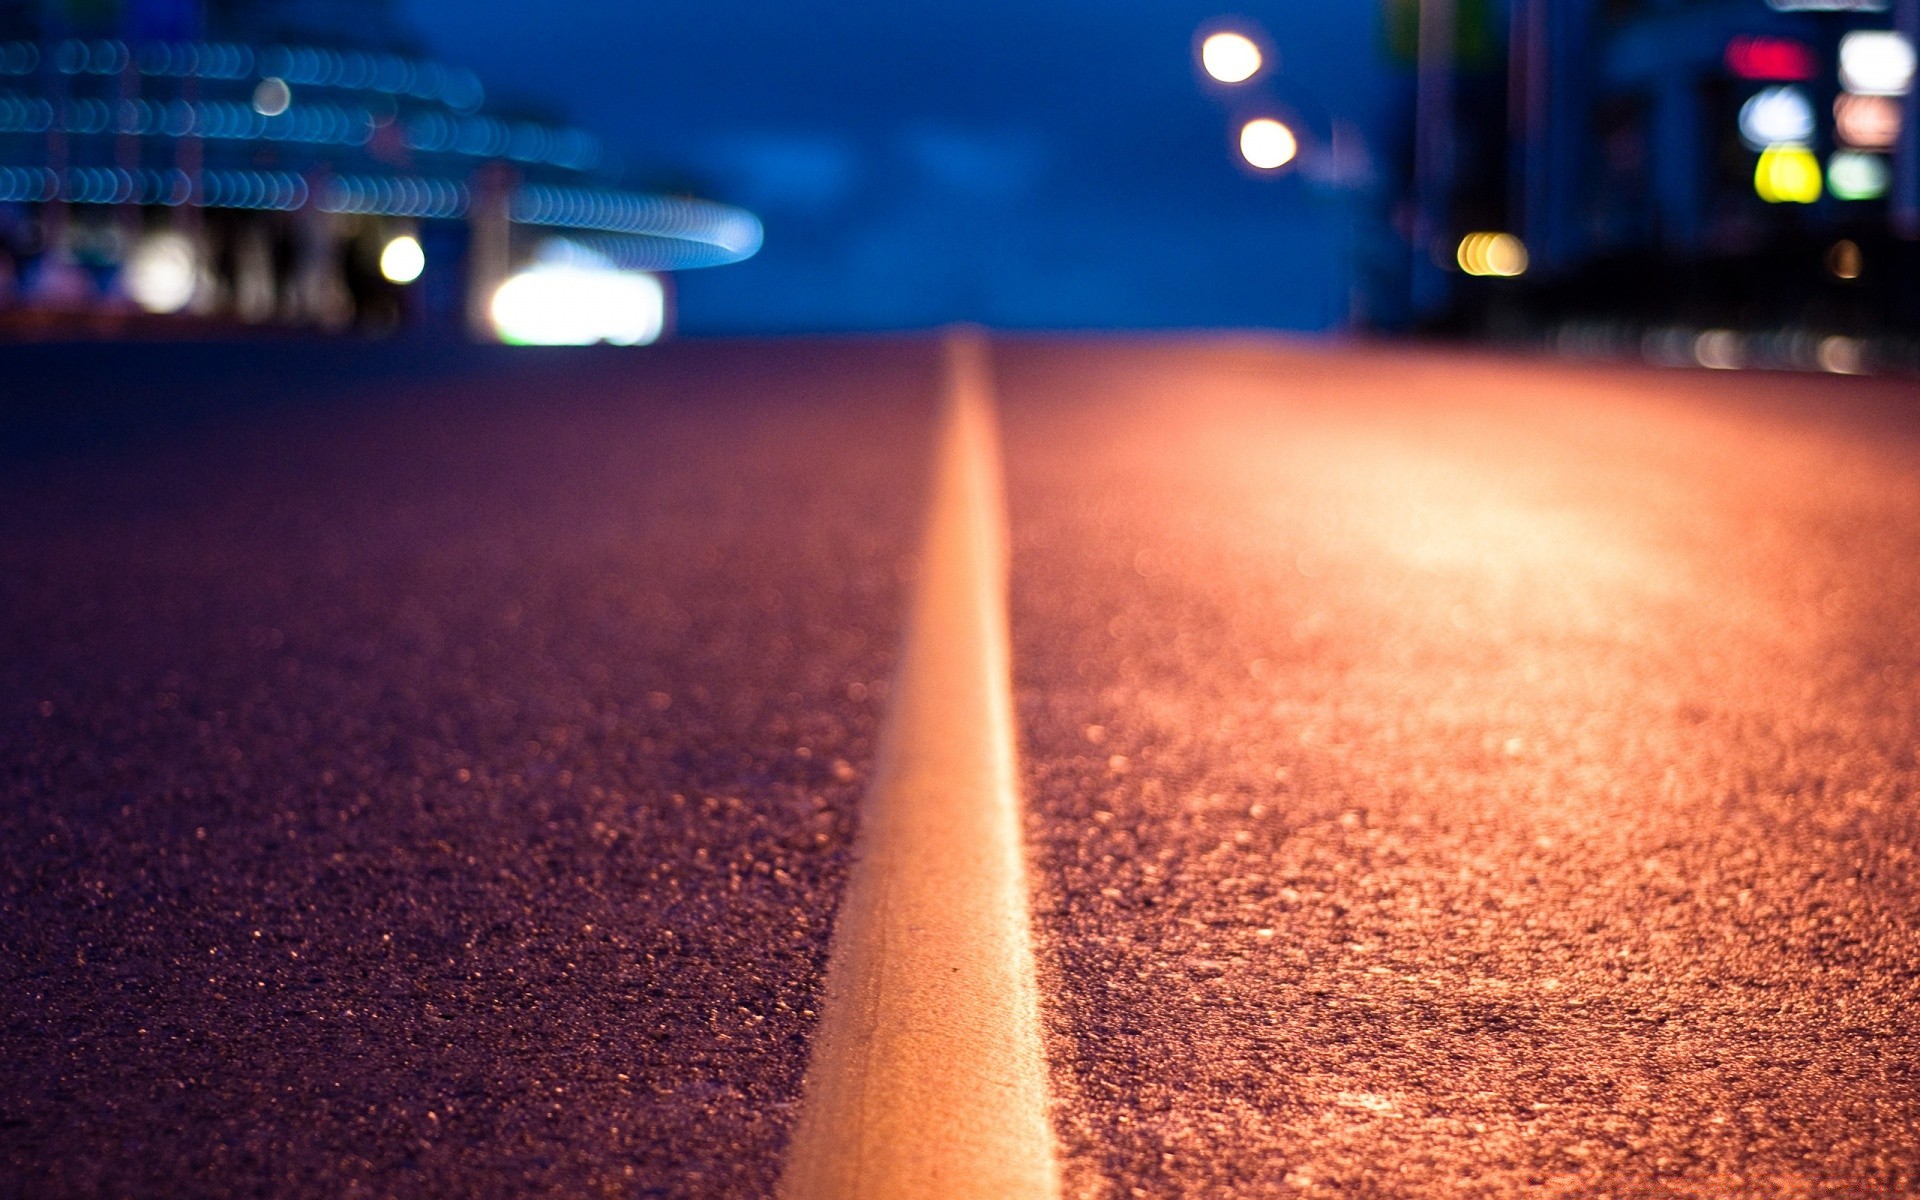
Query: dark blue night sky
{"points": [[1052, 163]]}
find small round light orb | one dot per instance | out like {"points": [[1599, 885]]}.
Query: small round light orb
{"points": [[1230, 57], [162, 273], [403, 260], [1853, 175], [1787, 175], [1267, 144], [1494, 255], [272, 97], [1844, 259]]}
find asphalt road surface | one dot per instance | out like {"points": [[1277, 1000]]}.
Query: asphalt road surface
{"points": [[435, 773]]}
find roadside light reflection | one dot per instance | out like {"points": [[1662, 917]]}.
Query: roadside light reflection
{"points": [[1720, 350], [1843, 356]]}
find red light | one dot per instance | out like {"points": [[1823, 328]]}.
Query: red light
{"points": [[1772, 59]]}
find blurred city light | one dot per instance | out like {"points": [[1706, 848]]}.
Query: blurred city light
{"points": [[1787, 175], [1496, 255], [100, 133], [272, 97], [1867, 122], [403, 260], [573, 297], [1844, 260], [1267, 144], [1720, 350], [1772, 59], [1876, 62], [1230, 57], [161, 273], [1781, 115], [1852, 175], [1843, 355]]}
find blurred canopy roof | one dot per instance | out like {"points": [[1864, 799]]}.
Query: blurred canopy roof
{"points": [[362, 24]]}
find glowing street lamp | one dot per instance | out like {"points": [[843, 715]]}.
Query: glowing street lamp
{"points": [[403, 260], [1267, 144], [1230, 57]]}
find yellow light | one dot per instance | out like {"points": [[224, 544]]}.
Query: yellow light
{"points": [[1267, 144], [403, 260], [1787, 175], [1230, 57], [1500, 255]]}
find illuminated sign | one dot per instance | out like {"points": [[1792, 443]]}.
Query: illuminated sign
{"points": [[1827, 5], [1772, 59], [1876, 62], [1787, 175], [1775, 116], [1852, 175], [1867, 122]]}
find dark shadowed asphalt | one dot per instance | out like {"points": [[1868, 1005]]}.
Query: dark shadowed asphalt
{"points": [[437, 785], [432, 773]]}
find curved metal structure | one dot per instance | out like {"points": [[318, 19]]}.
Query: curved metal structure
{"points": [[278, 128]]}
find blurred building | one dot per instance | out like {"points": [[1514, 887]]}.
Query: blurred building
{"points": [[219, 162], [1688, 166]]}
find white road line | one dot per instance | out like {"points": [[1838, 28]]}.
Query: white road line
{"points": [[928, 1077]]}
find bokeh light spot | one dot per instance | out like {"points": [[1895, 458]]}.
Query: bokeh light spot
{"points": [[1267, 144], [1230, 57], [1787, 175], [403, 260]]}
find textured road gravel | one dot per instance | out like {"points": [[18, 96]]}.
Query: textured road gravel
{"points": [[1460, 779], [433, 777], [431, 773]]}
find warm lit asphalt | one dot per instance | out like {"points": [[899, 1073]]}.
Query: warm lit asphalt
{"points": [[427, 773]]}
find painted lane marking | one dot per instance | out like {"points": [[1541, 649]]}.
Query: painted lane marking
{"points": [[928, 1077]]}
